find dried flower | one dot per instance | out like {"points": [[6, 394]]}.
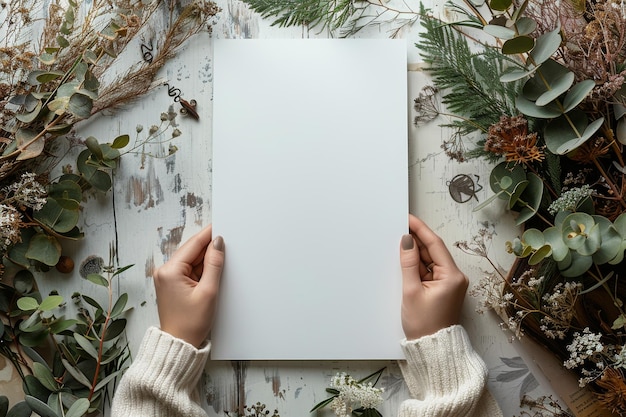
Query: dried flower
{"points": [[614, 391], [510, 138]]}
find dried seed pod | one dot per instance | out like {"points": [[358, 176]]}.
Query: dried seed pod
{"points": [[65, 264]]}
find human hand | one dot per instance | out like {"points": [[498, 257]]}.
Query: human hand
{"points": [[187, 286], [433, 288]]}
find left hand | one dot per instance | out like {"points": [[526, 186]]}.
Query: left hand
{"points": [[187, 287]]}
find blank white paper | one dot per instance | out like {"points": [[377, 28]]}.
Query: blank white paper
{"points": [[310, 193]]}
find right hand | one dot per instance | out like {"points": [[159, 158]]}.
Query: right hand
{"points": [[433, 288]]}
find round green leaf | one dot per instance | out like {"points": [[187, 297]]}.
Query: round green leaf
{"points": [[554, 238], [532, 196], [577, 94], [574, 143], [500, 5], [515, 74], [534, 238], [27, 304], [539, 255], [518, 45], [558, 87], [67, 194], [611, 241], [80, 106], [500, 32], [504, 177], [45, 249], [525, 26], [54, 216], [24, 282], [517, 192], [578, 266], [548, 74], [50, 302], [559, 131], [120, 141], [529, 108], [592, 241], [545, 47], [47, 76]]}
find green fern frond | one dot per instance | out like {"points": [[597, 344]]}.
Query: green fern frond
{"points": [[331, 14], [470, 81]]}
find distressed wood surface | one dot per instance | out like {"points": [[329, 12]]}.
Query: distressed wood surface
{"points": [[160, 200]]}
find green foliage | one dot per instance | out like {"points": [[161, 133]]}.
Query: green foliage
{"points": [[469, 80], [90, 351], [331, 14]]}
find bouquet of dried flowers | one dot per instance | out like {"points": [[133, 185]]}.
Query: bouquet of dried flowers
{"points": [[536, 87], [62, 62]]}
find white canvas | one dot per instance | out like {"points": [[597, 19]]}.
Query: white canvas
{"points": [[310, 193]]}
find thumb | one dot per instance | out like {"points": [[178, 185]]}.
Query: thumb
{"points": [[409, 261], [213, 265]]}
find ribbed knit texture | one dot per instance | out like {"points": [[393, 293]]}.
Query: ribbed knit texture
{"points": [[446, 377], [162, 380]]}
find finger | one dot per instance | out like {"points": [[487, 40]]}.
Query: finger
{"points": [[213, 265], [433, 244], [193, 250], [410, 263]]}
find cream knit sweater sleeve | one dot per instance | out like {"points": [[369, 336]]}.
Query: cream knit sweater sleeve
{"points": [[446, 377], [162, 380]]}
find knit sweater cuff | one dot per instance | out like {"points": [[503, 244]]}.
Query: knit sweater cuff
{"points": [[442, 363], [172, 363]]}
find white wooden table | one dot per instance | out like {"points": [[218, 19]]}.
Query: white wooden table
{"points": [[159, 202]]}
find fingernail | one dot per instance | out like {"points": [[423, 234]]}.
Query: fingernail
{"points": [[218, 243], [407, 242]]}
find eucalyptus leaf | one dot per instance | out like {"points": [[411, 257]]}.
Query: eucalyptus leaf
{"points": [[34, 339], [20, 409], [575, 143], [24, 281], [47, 58], [50, 302], [79, 408], [32, 115], [554, 238], [119, 305], [517, 193], [577, 94], [115, 329], [558, 87], [525, 26], [67, 194], [76, 373], [545, 47], [120, 142], [27, 304], [44, 375], [565, 129], [40, 407], [57, 218], [511, 75], [518, 45], [94, 147], [500, 32], [578, 266], [592, 241], [59, 105], [44, 248], [33, 387], [62, 42], [61, 325], [98, 279], [108, 379], [86, 345], [532, 197], [80, 105], [28, 144], [500, 5], [529, 108], [534, 238]]}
